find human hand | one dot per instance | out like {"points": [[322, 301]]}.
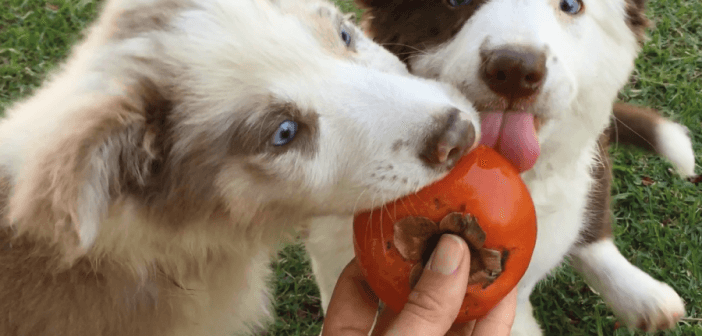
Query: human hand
{"points": [[432, 307]]}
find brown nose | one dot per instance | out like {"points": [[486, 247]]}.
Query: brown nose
{"points": [[450, 139], [513, 72]]}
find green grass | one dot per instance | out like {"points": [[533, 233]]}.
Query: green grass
{"points": [[657, 226], [34, 36]]}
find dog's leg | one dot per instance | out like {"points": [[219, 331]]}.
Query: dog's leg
{"points": [[636, 298], [645, 128], [525, 323], [330, 246]]}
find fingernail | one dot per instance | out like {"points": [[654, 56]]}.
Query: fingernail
{"points": [[447, 255]]}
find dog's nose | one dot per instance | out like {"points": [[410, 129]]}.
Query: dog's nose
{"points": [[451, 138], [513, 72]]}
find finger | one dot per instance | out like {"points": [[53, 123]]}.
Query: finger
{"points": [[501, 317], [387, 316], [353, 305], [436, 299], [383, 321], [462, 329], [499, 320]]}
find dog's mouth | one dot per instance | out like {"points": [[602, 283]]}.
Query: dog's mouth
{"points": [[513, 132]]}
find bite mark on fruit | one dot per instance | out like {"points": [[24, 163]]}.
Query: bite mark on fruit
{"points": [[416, 237]]}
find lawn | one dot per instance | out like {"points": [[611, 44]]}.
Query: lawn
{"points": [[657, 213]]}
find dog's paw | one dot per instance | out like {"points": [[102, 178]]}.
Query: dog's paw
{"points": [[674, 143], [637, 299], [652, 306]]}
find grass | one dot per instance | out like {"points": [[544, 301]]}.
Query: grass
{"points": [[657, 213]]}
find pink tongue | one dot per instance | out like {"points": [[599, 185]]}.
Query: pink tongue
{"points": [[513, 135]]}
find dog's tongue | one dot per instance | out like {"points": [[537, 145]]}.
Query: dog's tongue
{"points": [[513, 135]]}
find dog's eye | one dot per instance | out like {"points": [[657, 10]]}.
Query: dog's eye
{"points": [[456, 3], [571, 7], [346, 37], [285, 133]]}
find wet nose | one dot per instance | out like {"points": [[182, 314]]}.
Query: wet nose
{"points": [[449, 141], [513, 72]]}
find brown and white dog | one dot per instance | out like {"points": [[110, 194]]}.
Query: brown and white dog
{"points": [[556, 66], [147, 183]]}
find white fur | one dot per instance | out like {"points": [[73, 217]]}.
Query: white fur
{"points": [[675, 144], [330, 246], [525, 324], [634, 296]]}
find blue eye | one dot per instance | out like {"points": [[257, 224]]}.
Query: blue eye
{"points": [[456, 3], [285, 133], [346, 37], [571, 7]]}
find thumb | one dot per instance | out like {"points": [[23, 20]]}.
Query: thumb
{"points": [[436, 299]]}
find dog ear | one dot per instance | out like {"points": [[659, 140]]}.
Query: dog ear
{"points": [[104, 146], [636, 17], [371, 3]]}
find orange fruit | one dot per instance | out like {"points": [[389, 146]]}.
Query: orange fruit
{"points": [[390, 243]]}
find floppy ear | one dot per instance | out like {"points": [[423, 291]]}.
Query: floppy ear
{"points": [[370, 3], [351, 16], [103, 146], [636, 17]]}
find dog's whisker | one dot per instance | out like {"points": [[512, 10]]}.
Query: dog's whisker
{"points": [[355, 205]]}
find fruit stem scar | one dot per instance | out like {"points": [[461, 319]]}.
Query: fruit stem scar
{"points": [[416, 237]]}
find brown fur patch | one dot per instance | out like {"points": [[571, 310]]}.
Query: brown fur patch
{"points": [[175, 188], [635, 125], [145, 19], [408, 27], [251, 137], [636, 17], [120, 287], [73, 301], [51, 192], [5, 189], [598, 220], [448, 128]]}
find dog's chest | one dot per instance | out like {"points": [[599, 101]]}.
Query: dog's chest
{"points": [[560, 198], [237, 297]]}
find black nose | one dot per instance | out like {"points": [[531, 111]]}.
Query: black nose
{"points": [[513, 72], [449, 140]]}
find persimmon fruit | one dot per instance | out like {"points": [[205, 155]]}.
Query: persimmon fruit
{"points": [[393, 242]]}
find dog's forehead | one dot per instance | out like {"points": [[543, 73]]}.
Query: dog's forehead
{"points": [[307, 10], [227, 49], [327, 11], [325, 23], [407, 26]]}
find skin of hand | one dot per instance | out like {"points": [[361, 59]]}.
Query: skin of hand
{"points": [[432, 307]]}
